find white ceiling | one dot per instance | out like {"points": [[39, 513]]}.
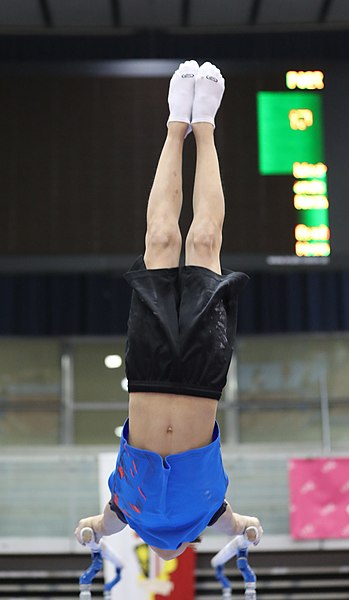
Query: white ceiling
{"points": [[73, 15]]}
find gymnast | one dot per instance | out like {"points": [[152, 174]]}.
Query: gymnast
{"points": [[169, 482]]}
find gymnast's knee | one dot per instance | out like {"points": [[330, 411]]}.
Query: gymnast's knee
{"points": [[163, 243], [205, 238]]}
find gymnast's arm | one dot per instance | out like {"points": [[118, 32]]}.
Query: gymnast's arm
{"points": [[106, 523], [231, 523]]}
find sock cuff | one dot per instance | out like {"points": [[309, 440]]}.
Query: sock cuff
{"points": [[178, 119], [204, 119]]}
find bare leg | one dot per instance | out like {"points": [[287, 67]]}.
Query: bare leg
{"points": [[204, 238], [163, 239]]}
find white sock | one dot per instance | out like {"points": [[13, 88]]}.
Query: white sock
{"points": [[209, 89], [181, 92]]}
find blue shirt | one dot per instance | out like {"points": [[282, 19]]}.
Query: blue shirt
{"points": [[168, 501]]}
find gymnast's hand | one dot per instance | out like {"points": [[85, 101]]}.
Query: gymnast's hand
{"points": [[105, 524], [96, 523], [253, 531]]}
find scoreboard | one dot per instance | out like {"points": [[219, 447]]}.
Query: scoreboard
{"points": [[291, 142]]}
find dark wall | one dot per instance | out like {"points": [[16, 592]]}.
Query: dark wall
{"points": [[77, 158], [78, 155], [251, 44], [98, 304]]}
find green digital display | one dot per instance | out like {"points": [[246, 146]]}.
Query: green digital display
{"points": [[290, 129], [314, 218]]}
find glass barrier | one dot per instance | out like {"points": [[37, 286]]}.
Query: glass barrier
{"points": [[294, 389], [281, 389], [30, 394], [99, 427], [99, 371]]}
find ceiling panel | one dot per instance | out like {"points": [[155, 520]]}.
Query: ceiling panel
{"points": [[81, 13], [150, 13], [339, 11], [20, 13], [289, 11], [219, 12]]}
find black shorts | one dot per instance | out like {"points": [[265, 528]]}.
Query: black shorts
{"points": [[181, 329]]}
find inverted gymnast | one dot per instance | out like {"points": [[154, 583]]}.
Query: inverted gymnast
{"points": [[169, 483]]}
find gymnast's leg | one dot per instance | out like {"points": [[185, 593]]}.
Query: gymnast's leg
{"points": [[204, 238], [163, 239]]}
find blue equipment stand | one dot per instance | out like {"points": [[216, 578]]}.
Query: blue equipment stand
{"points": [[98, 552], [237, 547]]}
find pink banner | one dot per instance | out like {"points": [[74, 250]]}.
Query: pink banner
{"points": [[319, 498]]}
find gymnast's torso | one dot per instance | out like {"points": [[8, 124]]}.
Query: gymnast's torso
{"points": [[170, 423], [168, 491]]}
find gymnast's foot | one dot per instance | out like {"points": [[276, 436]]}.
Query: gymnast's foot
{"points": [[181, 93], [209, 90]]}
